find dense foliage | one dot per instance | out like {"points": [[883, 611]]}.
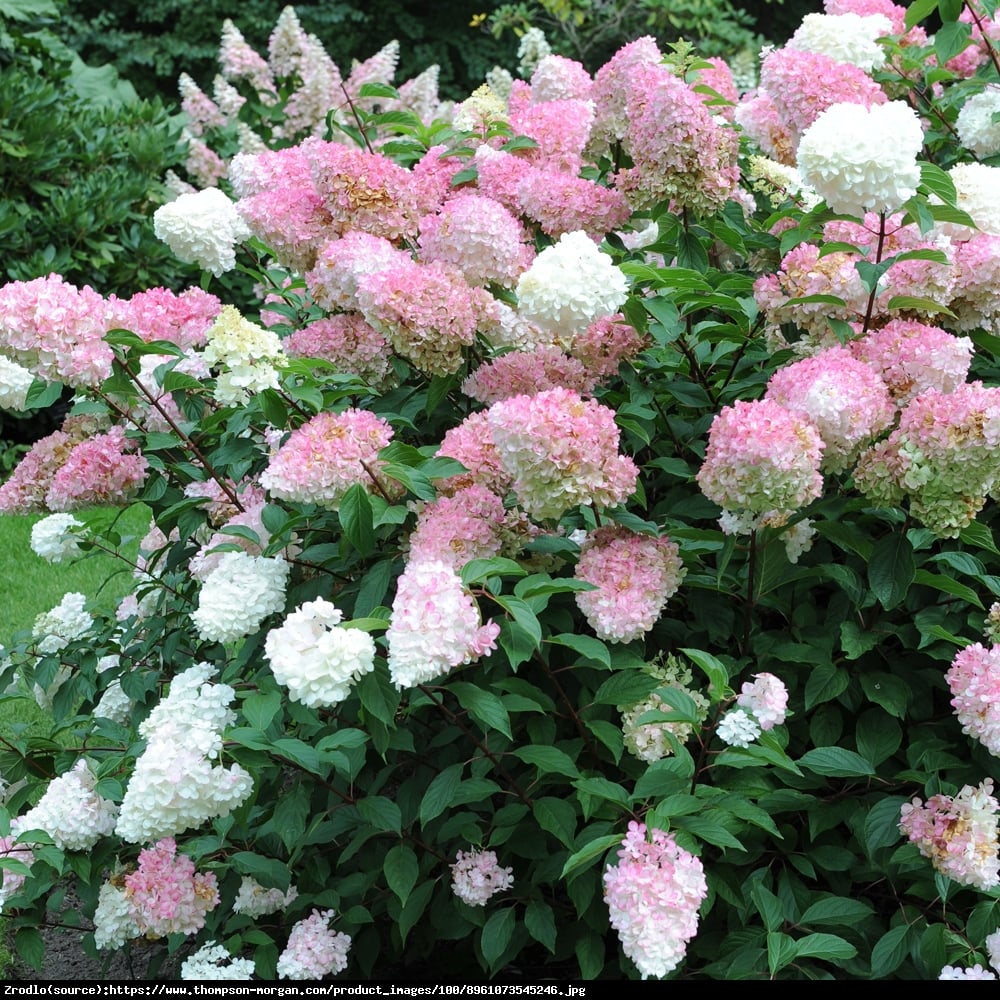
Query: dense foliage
{"points": [[581, 558]]}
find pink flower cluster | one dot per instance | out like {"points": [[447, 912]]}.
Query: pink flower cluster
{"points": [[477, 875], [326, 456], [66, 471], [844, 398], [314, 951], [562, 451], [942, 456], [653, 895], [55, 329], [525, 373], [958, 833], [974, 680], [471, 443], [161, 314], [766, 699], [635, 575], [165, 895], [760, 458], [346, 341]]}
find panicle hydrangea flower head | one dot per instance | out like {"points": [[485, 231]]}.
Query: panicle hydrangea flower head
{"points": [[175, 784], [556, 78], [560, 128], [477, 875], [67, 621], [942, 455], [326, 456], [976, 126], [341, 263], [975, 190], [314, 950], [238, 595], [863, 160], [55, 330], [844, 398], [634, 576], [848, 37], [470, 523], [993, 948], [53, 538], [612, 82], [346, 341], [531, 50], [239, 61], [213, 962], [315, 658], [958, 833], [561, 451], [435, 625], [71, 812], [569, 285], [256, 901], [761, 457], [651, 741], [524, 373], [605, 344], [766, 699], [427, 311], [161, 314], [680, 151], [202, 228], [974, 680], [653, 895], [913, 357], [976, 302], [165, 895], [100, 471], [113, 923], [738, 728], [248, 353], [479, 237]]}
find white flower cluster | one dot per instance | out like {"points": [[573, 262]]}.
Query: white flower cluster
{"points": [[256, 901], [52, 538], [860, 159], [175, 785], [212, 961], [238, 595], [568, 286], [976, 186], [315, 659], [534, 47], [249, 353], [113, 923], [976, 126], [738, 728], [15, 382], [71, 812], [65, 622], [848, 38], [202, 228]]}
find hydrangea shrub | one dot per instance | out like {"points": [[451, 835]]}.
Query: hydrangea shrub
{"points": [[620, 606]]}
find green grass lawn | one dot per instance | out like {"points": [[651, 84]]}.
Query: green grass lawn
{"points": [[30, 586]]}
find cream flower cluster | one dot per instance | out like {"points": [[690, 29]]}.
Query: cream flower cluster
{"points": [[202, 228], [53, 539], [249, 354], [238, 595], [316, 659], [175, 785]]}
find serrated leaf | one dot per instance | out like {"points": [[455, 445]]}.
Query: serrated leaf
{"points": [[881, 828], [824, 946], [835, 762], [587, 646], [381, 813], [713, 668], [556, 816], [484, 706], [414, 908], [836, 910], [890, 950], [891, 569], [259, 709], [496, 935], [357, 520], [540, 923], [887, 690]]}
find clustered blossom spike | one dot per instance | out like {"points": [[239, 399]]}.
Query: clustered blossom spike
{"points": [[314, 950], [238, 594], [71, 812], [202, 228], [765, 698], [561, 451], [214, 962], [315, 658], [256, 901], [165, 895], [435, 625], [183, 737], [476, 876], [958, 833], [248, 354], [634, 576], [738, 728], [53, 538], [653, 895], [972, 972], [974, 680]]}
